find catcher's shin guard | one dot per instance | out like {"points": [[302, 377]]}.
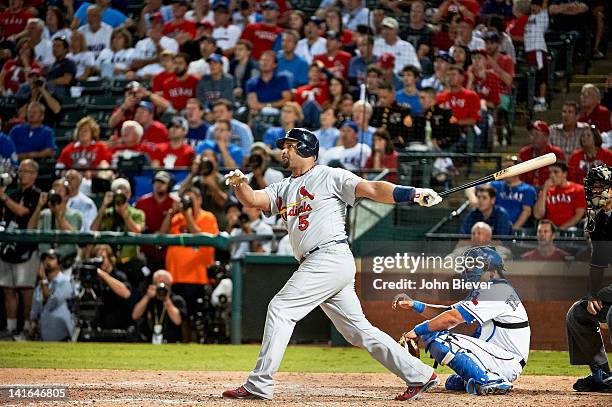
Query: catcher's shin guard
{"points": [[447, 353]]}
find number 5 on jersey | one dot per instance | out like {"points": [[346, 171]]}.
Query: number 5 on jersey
{"points": [[303, 222]]}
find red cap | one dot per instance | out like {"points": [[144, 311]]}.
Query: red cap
{"points": [[539, 125], [386, 60], [206, 24], [468, 20], [157, 17]]}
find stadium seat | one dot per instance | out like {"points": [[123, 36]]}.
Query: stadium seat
{"points": [[72, 117], [103, 102], [100, 116], [96, 87]]}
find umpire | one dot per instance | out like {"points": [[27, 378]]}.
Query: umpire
{"points": [[583, 334]]}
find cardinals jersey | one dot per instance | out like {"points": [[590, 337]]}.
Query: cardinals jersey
{"points": [[499, 313], [313, 206]]}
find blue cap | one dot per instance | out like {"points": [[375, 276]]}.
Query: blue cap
{"points": [[351, 124], [215, 58], [147, 105], [269, 5]]}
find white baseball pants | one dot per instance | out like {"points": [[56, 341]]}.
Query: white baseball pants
{"points": [[327, 279]]}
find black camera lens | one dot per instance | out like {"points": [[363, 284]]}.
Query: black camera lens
{"points": [[119, 199], [206, 167], [244, 218], [255, 161], [5, 179], [186, 202], [54, 198], [161, 290], [39, 82]]}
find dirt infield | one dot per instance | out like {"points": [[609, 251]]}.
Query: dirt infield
{"points": [[155, 388]]}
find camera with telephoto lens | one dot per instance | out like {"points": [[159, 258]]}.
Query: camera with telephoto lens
{"points": [[87, 272], [206, 167], [186, 202], [256, 161], [5, 179], [119, 198], [39, 82], [54, 198], [161, 291]]}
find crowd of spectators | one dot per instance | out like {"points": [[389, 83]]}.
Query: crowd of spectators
{"points": [[210, 85]]}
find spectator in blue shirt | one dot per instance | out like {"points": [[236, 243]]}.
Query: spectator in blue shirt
{"points": [[110, 16], [291, 64], [8, 154], [33, 139], [194, 111], [228, 155], [269, 89], [494, 215], [242, 136], [358, 65], [328, 133], [409, 94]]}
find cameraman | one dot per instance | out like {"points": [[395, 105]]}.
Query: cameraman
{"points": [[115, 311], [249, 222], [134, 94], [56, 217], [50, 312], [19, 261], [188, 264], [117, 215], [160, 312], [261, 176], [36, 90], [205, 176]]}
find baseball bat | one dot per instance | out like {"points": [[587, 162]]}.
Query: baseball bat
{"points": [[518, 169]]}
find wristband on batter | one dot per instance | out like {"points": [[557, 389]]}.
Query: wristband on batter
{"points": [[422, 329], [403, 194], [418, 306]]}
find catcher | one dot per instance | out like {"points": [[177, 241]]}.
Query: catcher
{"points": [[489, 361], [583, 334]]}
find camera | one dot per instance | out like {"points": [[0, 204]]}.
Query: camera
{"points": [[5, 179], [87, 272], [206, 167], [54, 198], [186, 202], [256, 161], [243, 218], [39, 82], [162, 291], [119, 199]]}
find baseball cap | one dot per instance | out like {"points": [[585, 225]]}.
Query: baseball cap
{"points": [[333, 34], [179, 121], [539, 125], [121, 183], [147, 105], [215, 58], [167, 53], [314, 19], [467, 20], [444, 56], [48, 253], [163, 176], [231, 203], [156, 17], [220, 5], [390, 22], [491, 36], [260, 145], [133, 85], [386, 60], [351, 124], [481, 51], [269, 5]]}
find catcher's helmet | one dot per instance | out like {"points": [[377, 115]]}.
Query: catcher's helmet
{"points": [[308, 144], [483, 259], [597, 185]]}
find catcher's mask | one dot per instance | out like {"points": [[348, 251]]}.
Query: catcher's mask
{"points": [[483, 259], [597, 186]]}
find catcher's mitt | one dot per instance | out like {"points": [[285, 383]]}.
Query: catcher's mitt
{"points": [[411, 345]]}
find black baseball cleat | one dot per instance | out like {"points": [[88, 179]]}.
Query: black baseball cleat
{"points": [[414, 392], [240, 394], [598, 382]]}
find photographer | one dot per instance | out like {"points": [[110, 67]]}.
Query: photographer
{"points": [[117, 215], [115, 311], [134, 94], [19, 261], [160, 313], [50, 313], [188, 264], [205, 176], [56, 217], [245, 223], [261, 176], [36, 90]]}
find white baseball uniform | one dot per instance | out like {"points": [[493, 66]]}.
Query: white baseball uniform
{"points": [[313, 208]]}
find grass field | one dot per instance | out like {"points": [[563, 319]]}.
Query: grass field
{"points": [[225, 358]]}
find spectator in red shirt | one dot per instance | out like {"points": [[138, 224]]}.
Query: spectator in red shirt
{"points": [[483, 81], [153, 130], [14, 19], [464, 103], [131, 140], [15, 71], [263, 35], [180, 29], [383, 155], [546, 250], [166, 60], [560, 201], [155, 207], [538, 134], [335, 60], [500, 63], [87, 150], [592, 111], [176, 153], [466, 8], [317, 88], [590, 155], [182, 87]]}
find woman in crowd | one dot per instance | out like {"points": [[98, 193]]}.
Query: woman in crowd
{"points": [[589, 155], [383, 155], [86, 151], [297, 21], [82, 58], [15, 71], [55, 24], [333, 22], [117, 60], [338, 87]]}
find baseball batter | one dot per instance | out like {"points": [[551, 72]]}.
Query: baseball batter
{"points": [[489, 361], [312, 203]]}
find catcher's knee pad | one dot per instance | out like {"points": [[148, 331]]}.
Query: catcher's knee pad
{"points": [[445, 352]]}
